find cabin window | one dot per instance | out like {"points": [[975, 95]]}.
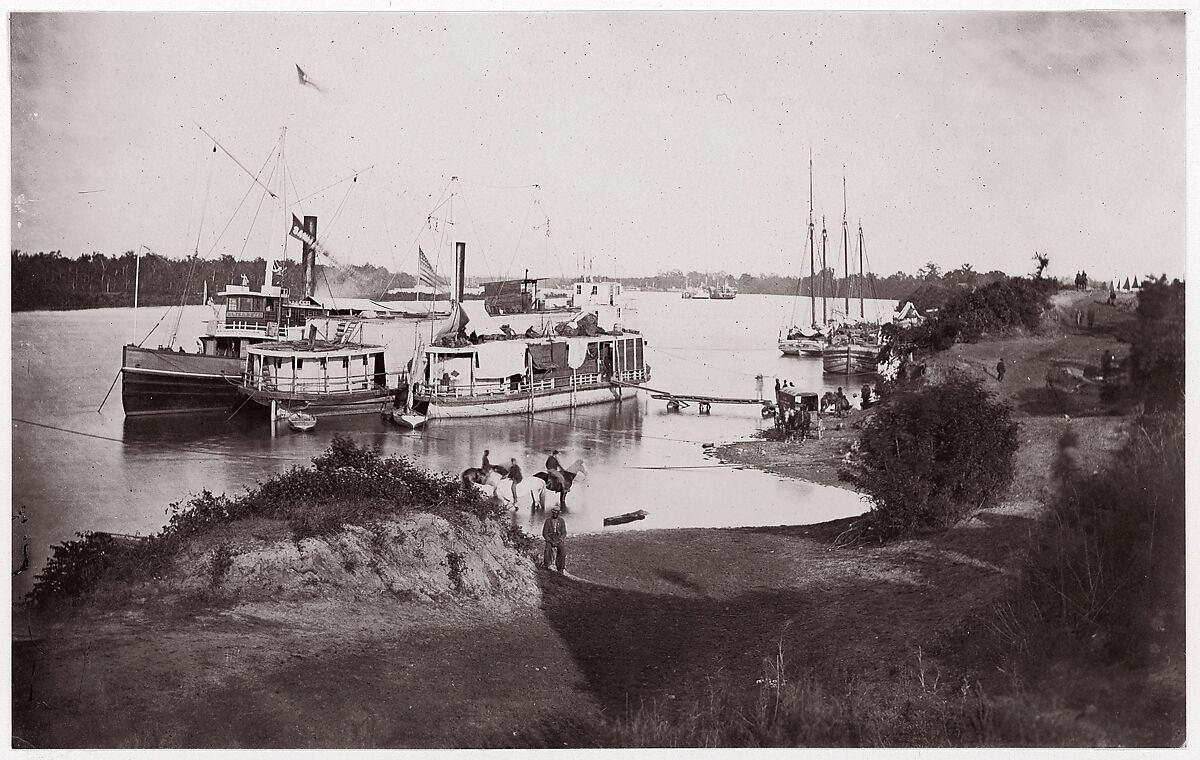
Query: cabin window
{"points": [[595, 290], [578, 290], [299, 364]]}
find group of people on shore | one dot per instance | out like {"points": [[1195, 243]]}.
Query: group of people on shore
{"points": [[554, 529]]}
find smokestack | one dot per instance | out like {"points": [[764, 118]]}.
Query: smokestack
{"points": [[460, 271], [308, 257]]}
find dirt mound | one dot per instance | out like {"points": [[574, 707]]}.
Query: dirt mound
{"points": [[421, 557]]}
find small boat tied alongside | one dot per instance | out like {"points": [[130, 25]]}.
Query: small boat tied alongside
{"points": [[301, 421]]}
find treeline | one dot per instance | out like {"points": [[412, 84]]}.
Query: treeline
{"points": [[51, 281], [929, 284]]}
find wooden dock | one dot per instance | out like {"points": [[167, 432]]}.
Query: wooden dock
{"points": [[684, 400], [676, 401]]}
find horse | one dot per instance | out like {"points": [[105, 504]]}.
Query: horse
{"points": [[478, 476], [545, 483]]}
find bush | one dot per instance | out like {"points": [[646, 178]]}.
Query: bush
{"points": [[347, 484], [1107, 568], [77, 566], [968, 315], [932, 456], [1158, 354]]}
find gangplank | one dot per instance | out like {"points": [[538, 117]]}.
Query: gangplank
{"points": [[676, 401]]}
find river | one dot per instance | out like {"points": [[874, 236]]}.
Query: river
{"points": [[78, 469]]}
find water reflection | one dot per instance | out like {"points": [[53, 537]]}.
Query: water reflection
{"points": [[75, 469]]}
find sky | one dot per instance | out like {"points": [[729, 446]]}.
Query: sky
{"points": [[641, 141]]}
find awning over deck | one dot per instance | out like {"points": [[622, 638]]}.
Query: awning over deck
{"points": [[502, 358]]}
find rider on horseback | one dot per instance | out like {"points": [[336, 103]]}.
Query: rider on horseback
{"points": [[555, 470]]}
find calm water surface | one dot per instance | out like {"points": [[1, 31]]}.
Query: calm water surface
{"points": [[113, 474]]}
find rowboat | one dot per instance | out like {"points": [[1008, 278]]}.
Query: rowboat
{"points": [[301, 421]]}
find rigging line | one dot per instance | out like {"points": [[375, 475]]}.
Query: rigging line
{"points": [[194, 257], [156, 324], [257, 211], [225, 229], [290, 176], [283, 172], [416, 239], [487, 265], [444, 232], [500, 187], [332, 297], [192, 200], [182, 299], [239, 163], [562, 272], [870, 273], [520, 237], [335, 216], [185, 447], [551, 243], [67, 430], [387, 234], [327, 187]]}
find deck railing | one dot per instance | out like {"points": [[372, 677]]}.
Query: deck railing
{"points": [[323, 385], [503, 388]]}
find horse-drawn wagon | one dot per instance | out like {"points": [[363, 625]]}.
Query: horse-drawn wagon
{"points": [[797, 413]]}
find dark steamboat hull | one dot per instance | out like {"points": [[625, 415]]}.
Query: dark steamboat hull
{"points": [[162, 381], [850, 360], [371, 401]]}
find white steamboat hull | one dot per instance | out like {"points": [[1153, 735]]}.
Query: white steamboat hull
{"points": [[449, 407], [801, 347]]}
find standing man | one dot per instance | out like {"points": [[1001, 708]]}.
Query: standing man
{"points": [[1000, 369], [514, 474], [486, 466], [843, 403], [554, 530]]}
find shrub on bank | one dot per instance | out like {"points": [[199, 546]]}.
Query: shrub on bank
{"points": [[1105, 574], [347, 484], [966, 316], [1157, 355], [932, 456]]}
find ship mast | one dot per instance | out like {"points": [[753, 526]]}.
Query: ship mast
{"points": [[269, 277], [824, 273], [812, 270], [845, 245], [861, 273]]}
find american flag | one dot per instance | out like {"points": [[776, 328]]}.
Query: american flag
{"points": [[425, 273]]}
